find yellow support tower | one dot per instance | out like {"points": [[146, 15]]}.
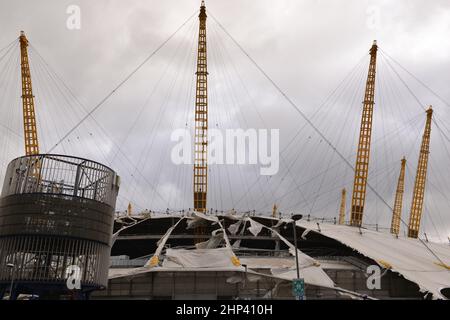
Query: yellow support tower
{"points": [[342, 208], [365, 135], [29, 115], [398, 203], [129, 209], [420, 182], [201, 119]]}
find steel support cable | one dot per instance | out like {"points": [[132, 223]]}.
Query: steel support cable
{"points": [[226, 101], [426, 207], [55, 77], [383, 98], [188, 114], [438, 187], [302, 114], [430, 168], [185, 59], [15, 41], [296, 108], [345, 85], [418, 100], [353, 123], [387, 168], [414, 119], [57, 81], [417, 79], [8, 49], [145, 153], [421, 105], [357, 75], [351, 101], [46, 96], [225, 116], [165, 104], [356, 67], [66, 109], [70, 109], [129, 76], [234, 97], [292, 103], [395, 100], [233, 101], [10, 71], [5, 71], [221, 44], [323, 104], [182, 176]]}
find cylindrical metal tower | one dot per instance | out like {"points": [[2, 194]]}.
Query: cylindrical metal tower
{"points": [[56, 216]]}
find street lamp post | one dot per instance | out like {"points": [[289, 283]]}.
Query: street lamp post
{"points": [[11, 266], [294, 219]]}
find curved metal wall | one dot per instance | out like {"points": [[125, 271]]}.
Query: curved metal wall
{"points": [[55, 212]]}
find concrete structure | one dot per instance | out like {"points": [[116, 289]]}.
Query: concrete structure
{"points": [[54, 221]]}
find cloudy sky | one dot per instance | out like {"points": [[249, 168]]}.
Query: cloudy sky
{"points": [[316, 52]]}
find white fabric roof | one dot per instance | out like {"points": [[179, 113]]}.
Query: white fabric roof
{"points": [[409, 257], [198, 258]]}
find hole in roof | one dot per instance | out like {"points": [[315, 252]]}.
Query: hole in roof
{"points": [[446, 292]]}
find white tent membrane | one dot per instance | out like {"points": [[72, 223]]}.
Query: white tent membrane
{"points": [[161, 243], [309, 268], [204, 258], [199, 258], [427, 267]]}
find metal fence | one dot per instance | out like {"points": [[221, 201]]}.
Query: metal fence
{"points": [[56, 212], [62, 175]]}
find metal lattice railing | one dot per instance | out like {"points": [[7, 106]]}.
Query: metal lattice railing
{"points": [[61, 175]]}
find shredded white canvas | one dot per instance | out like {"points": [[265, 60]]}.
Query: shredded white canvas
{"points": [[199, 258], [234, 228], [406, 256], [255, 227], [215, 240], [309, 268], [161, 243]]}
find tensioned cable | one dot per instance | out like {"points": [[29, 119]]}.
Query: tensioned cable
{"points": [[303, 115], [128, 77], [58, 77], [417, 79], [415, 97], [421, 105]]}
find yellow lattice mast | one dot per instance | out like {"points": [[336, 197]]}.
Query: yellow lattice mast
{"points": [[398, 203], [342, 208], [420, 182], [29, 115], [201, 119], [365, 135], [129, 209]]}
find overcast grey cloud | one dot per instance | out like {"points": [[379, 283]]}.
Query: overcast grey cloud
{"points": [[307, 47]]}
